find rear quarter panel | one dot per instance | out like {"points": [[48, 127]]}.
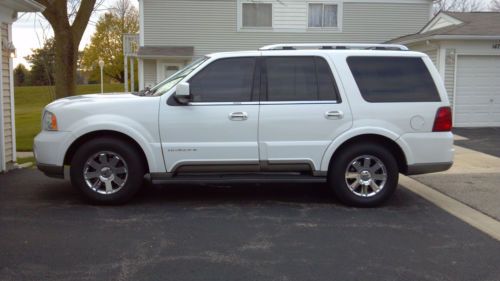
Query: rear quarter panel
{"points": [[391, 120]]}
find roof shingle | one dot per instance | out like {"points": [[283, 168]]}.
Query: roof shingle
{"points": [[474, 24]]}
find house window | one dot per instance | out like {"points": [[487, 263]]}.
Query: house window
{"points": [[257, 15], [323, 15]]}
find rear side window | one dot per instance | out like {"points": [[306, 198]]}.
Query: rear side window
{"points": [[224, 80], [393, 79], [299, 79]]}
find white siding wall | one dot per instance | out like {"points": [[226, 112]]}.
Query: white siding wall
{"points": [[211, 25], [6, 99], [432, 55], [289, 14]]}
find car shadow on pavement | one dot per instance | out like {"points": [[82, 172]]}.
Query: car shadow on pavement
{"points": [[61, 192], [31, 188]]}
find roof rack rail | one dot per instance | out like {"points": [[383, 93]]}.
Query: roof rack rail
{"points": [[336, 46]]}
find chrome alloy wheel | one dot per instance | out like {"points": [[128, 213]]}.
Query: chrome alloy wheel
{"points": [[366, 176], [105, 172]]}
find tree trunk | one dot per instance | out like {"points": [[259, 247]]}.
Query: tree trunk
{"points": [[66, 64], [67, 38]]}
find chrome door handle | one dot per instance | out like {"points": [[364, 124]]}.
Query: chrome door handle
{"points": [[238, 116], [334, 115]]}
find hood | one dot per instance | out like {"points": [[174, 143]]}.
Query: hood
{"points": [[92, 98]]}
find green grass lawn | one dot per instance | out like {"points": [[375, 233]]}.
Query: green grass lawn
{"points": [[30, 102]]}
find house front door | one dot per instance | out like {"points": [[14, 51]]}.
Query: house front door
{"points": [[165, 70]]}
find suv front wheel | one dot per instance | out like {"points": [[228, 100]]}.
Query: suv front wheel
{"points": [[107, 170], [364, 175]]}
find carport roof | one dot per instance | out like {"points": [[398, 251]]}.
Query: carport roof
{"points": [[457, 25], [165, 51]]}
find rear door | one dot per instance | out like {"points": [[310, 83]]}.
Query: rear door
{"points": [[301, 110]]}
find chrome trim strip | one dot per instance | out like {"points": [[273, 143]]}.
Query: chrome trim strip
{"points": [[223, 103], [262, 103], [298, 102]]}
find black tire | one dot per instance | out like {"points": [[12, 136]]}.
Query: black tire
{"points": [[131, 181], [351, 157]]}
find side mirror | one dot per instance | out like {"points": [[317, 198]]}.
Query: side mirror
{"points": [[182, 93]]}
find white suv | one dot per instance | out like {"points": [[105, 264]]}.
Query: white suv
{"points": [[354, 116]]}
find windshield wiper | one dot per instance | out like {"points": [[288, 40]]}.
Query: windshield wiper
{"points": [[145, 92]]}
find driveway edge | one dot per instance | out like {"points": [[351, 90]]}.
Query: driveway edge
{"points": [[456, 208]]}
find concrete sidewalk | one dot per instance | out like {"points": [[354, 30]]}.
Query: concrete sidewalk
{"points": [[473, 180]]}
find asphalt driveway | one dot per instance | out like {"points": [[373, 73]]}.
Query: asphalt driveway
{"points": [[250, 232], [485, 140]]}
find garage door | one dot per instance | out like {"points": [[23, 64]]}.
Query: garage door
{"points": [[477, 98]]}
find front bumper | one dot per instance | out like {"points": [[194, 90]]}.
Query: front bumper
{"points": [[50, 147], [52, 171]]}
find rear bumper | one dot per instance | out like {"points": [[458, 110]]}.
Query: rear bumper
{"points": [[427, 152], [417, 169], [52, 171]]}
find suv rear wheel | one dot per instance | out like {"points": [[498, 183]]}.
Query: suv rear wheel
{"points": [[107, 170], [364, 175]]}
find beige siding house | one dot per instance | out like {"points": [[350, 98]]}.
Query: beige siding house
{"points": [[173, 32], [8, 14], [465, 47]]}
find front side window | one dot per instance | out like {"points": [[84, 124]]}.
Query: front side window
{"points": [[224, 80], [257, 15], [299, 79], [323, 15], [393, 79]]}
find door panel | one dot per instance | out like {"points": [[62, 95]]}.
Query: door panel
{"points": [[219, 127], [299, 132], [205, 134], [305, 112]]}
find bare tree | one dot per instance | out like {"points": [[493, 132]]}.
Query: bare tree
{"points": [[68, 19], [457, 5], [495, 5]]}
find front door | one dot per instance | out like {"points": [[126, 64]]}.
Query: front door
{"points": [[166, 70], [217, 130], [301, 112]]}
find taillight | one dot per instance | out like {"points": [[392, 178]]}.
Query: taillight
{"points": [[443, 121]]}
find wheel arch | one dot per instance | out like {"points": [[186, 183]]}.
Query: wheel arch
{"points": [[70, 152], [380, 139]]}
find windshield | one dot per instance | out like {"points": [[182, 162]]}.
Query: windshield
{"points": [[173, 80]]}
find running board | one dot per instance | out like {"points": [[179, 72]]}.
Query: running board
{"points": [[164, 178]]}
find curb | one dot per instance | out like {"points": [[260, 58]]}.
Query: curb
{"points": [[471, 216]]}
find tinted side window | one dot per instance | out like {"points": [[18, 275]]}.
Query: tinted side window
{"points": [[299, 79], [393, 79], [224, 80]]}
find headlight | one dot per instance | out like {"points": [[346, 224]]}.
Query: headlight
{"points": [[49, 122]]}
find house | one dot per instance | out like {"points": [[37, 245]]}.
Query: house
{"points": [[465, 47], [173, 32], [8, 14]]}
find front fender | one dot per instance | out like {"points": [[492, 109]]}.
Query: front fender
{"points": [[146, 137]]}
